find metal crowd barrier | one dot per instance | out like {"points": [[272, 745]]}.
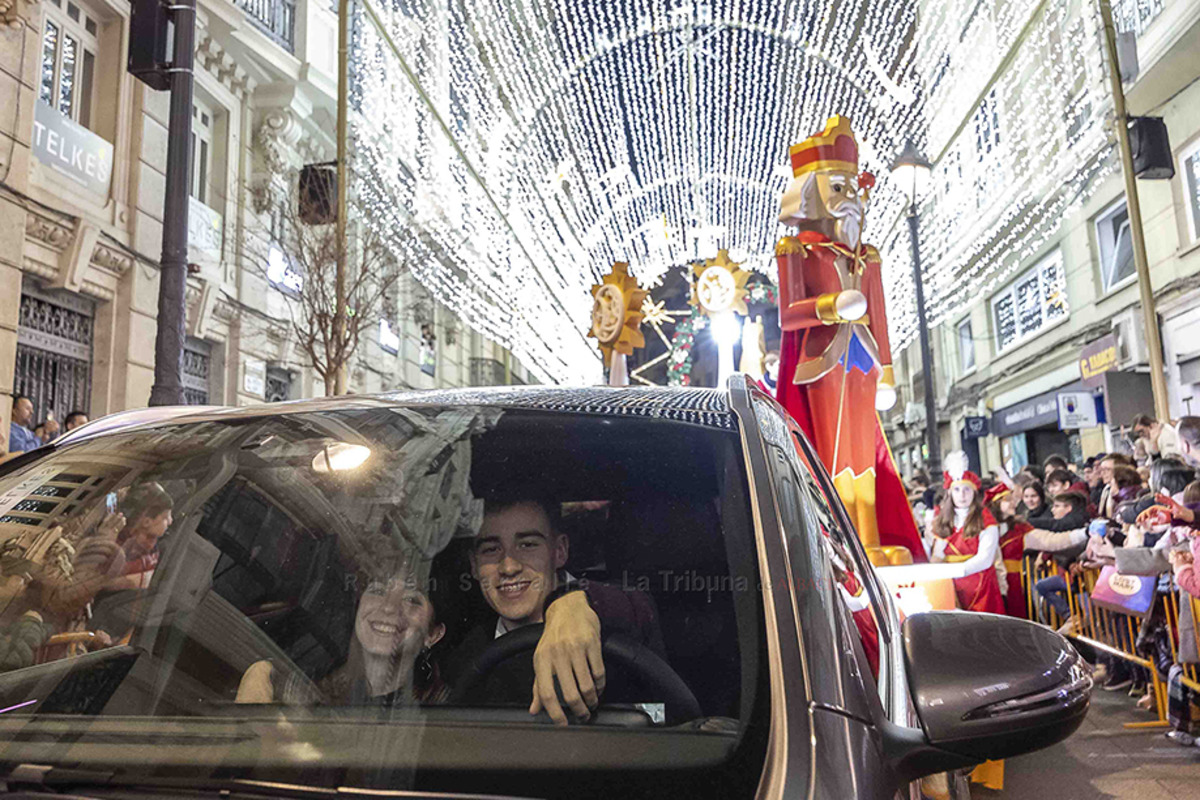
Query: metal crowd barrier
{"points": [[1189, 663], [1031, 573], [1115, 633]]}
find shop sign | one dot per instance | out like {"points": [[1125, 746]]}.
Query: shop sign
{"points": [[204, 232], [1098, 358], [1077, 410], [254, 377], [1036, 412], [67, 147], [975, 427]]}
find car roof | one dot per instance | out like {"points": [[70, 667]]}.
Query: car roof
{"points": [[698, 406]]}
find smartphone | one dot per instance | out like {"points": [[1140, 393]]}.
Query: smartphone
{"points": [[110, 500]]}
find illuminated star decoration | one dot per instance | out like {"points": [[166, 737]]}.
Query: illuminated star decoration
{"points": [[719, 285], [656, 313], [616, 312]]}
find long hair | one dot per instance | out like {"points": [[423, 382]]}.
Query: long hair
{"points": [[347, 684], [1161, 468], [995, 506], [943, 523]]}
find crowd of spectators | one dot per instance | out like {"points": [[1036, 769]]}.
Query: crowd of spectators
{"points": [[24, 435], [1138, 511]]}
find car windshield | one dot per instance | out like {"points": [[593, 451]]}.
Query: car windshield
{"points": [[319, 597]]}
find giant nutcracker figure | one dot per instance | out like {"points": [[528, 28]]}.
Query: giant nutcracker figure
{"points": [[835, 363]]}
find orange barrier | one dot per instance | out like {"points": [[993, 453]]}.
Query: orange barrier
{"points": [[1191, 605], [1031, 573], [1116, 634]]}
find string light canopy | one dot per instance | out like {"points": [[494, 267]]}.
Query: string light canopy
{"points": [[512, 152], [1018, 120]]}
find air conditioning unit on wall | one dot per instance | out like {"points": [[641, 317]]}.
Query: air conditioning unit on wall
{"points": [[1131, 338]]}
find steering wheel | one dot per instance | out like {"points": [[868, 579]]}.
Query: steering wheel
{"points": [[617, 649]]}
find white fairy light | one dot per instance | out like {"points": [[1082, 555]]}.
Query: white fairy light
{"points": [[651, 131], [656, 131], [1031, 154]]}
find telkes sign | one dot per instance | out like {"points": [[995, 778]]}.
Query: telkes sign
{"points": [[71, 149]]}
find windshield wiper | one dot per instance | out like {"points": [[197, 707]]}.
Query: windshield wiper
{"points": [[51, 777]]}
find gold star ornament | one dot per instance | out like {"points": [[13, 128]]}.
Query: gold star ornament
{"points": [[656, 313], [617, 312], [719, 285]]}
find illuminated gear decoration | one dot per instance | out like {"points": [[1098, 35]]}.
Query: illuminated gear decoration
{"points": [[834, 352], [617, 303], [720, 285]]}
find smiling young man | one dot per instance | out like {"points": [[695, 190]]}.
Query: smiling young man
{"points": [[519, 558]]}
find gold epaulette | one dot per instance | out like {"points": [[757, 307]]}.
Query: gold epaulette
{"points": [[789, 245]]}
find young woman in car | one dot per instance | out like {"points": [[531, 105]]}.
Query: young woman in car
{"points": [[968, 537], [390, 661]]}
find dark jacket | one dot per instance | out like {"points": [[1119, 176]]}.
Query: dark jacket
{"points": [[621, 610], [1072, 521], [1037, 518]]}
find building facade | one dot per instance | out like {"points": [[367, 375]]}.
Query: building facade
{"points": [[83, 148], [1065, 324]]}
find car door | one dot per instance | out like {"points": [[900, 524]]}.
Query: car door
{"points": [[846, 754], [877, 693]]}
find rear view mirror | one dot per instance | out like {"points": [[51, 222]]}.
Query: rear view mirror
{"points": [[987, 687]]}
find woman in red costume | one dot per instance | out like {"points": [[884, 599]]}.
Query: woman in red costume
{"points": [[1003, 504], [968, 537]]}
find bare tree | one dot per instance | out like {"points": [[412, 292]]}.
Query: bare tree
{"points": [[300, 258]]}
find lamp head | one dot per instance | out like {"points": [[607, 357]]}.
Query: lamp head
{"points": [[911, 171]]}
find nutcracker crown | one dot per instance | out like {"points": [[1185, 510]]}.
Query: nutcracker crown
{"points": [[834, 149]]}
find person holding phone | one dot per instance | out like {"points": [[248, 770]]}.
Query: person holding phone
{"points": [[1183, 559]]}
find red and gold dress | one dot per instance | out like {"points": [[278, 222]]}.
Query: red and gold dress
{"points": [[1012, 550], [979, 591]]}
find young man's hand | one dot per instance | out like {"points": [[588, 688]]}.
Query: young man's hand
{"points": [[569, 650]]}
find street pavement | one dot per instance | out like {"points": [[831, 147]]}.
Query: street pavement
{"points": [[1105, 760]]}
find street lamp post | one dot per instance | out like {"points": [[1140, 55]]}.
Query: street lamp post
{"points": [[911, 171], [167, 389]]}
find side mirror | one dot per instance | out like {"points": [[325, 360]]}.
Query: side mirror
{"points": [[986, 687]]}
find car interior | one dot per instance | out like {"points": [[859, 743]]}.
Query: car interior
{"points": [[256, 564]]}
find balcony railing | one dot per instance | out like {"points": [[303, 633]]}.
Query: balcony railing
{"points": [[490, 372], [275, 18]]}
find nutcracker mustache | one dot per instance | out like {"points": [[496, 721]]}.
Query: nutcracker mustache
{"points": [[849, 225]]}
